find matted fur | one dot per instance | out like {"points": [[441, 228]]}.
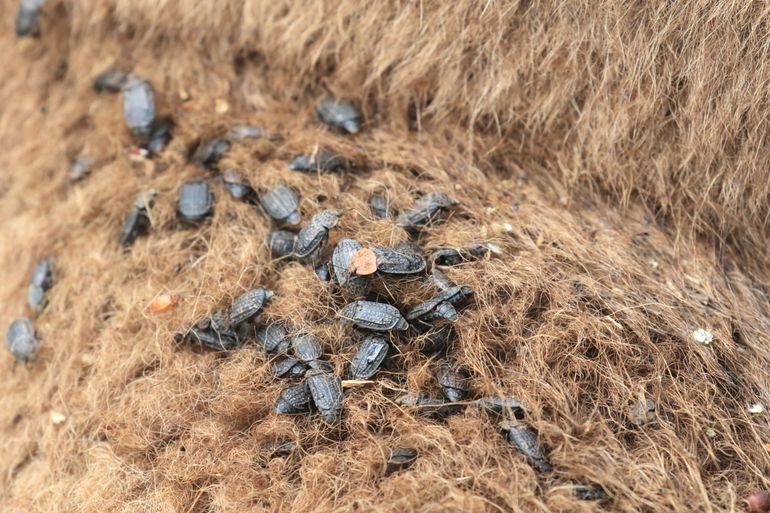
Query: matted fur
{"points": [[662, 100], [588, 310]]}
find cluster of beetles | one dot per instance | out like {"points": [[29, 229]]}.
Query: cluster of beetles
{"points": [[349, 266]]}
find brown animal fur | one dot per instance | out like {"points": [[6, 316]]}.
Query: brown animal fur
{"points": [[486, 102], [660, 100]]}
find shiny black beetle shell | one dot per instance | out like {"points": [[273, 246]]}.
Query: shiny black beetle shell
{"points": [[398, 262], [293, 399], [312, 236], [161, 133], [289, 367], [136, 223], [321, 161], [525, 440], [441, 305], [208, 153], [281, 203], [196, 202], [453, 381], [425, 210], [326, 390], [238, 187], [373, 316], [21, 341], [40, 282], [27, 24], [369, 357], [380, 206], [273, 338], [248, 305], [281, 243], [214, 332], [352, 285], [42, 275], [138, 105], [306, 347], [340, 114], [400, 458]]}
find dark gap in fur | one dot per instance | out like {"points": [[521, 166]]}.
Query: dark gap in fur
{"points": [[736, 334], [534, 313], [244, 58], [413, 121], [660, 213], [197, 245], [417, 173], [143, 371], [61, 70], [730, 382], [241, 421], [723, 460], [163, 445], [677, 96], [640, 238], [502, 356], [380, 426], [202, 503], [107, 309], [589, 349], [26, 460]]}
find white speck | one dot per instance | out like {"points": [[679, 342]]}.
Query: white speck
{"points": [[494, 249], [57, 418], [653, 264], [703, 336], [710, 432], [221, 106], [756, 408], [502, 227]]}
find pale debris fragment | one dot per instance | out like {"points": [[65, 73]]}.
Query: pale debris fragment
{"points": [[756, 408], [136, 154], [703, 336], [363, 262], [350, 383], [163, 302], [642, 412], [502, 227], [87, 359], [221, 106], [57, 418]]}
